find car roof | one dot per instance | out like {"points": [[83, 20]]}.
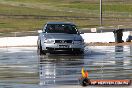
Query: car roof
{"points": [[60, 23]]}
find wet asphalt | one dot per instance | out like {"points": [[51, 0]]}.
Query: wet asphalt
{"points": [[23, 67]]}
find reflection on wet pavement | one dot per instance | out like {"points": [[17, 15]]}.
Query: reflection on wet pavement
{"points": [[18, 65], [101, 62], [23, 67]]}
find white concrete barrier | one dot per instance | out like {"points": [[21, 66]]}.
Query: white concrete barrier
{"points": [[102, 37], [32, 40], [18, 41]]}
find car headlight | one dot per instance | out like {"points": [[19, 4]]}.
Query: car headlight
{"points": [[48, 41]]}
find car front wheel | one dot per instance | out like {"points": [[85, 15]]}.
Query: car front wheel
{"points": [[78, 52], [40, 51]]}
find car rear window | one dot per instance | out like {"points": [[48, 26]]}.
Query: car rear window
{"points": [[61, 28]]}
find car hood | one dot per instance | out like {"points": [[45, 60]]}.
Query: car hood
{"points": [[62, 36]]}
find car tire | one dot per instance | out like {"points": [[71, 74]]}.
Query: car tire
{"points": [[80, 52], [40, 51]]}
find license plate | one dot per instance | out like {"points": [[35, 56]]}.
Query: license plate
{"points": [[63, 46]]}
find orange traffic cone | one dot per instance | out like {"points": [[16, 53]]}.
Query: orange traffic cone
{"points": [[84, 81]]}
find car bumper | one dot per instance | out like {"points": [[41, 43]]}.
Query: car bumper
{"points": [[59, 47]]}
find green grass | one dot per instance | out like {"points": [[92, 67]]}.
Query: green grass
{"points": [[85, 13], [11, 25], [107, 7]]}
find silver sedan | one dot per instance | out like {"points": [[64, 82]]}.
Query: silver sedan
{"points": [[60, 37]]}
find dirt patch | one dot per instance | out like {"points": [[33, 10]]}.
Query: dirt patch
{"points": [[109, 44]]}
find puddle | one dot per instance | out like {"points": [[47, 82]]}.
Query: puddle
{"points": [[23, 67]]}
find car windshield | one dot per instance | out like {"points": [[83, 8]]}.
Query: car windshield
{"points": [[61, 28]]}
